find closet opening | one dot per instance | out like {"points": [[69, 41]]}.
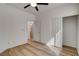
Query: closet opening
{"points": [[70, 24]]}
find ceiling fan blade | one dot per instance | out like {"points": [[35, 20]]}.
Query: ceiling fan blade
{"points": [[36, 8], [27, 6], [42, 3]]}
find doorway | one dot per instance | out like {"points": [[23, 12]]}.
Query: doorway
{"points": [[30, 36], [70, 31]]}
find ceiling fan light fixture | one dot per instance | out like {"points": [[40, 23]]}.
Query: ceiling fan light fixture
{"points": [[33, 4]]}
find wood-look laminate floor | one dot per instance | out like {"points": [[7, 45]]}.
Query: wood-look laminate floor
{"points": [[38, 49]]}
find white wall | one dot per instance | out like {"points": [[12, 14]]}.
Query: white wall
{"points": [[13, 26], [70, 31], [51, 31], [78, 34], [51, 23], [37, 28]]}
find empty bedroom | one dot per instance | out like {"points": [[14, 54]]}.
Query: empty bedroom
{"points": [[39, 29]]}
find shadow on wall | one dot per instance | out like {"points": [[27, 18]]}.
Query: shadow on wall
{"points": [[55, 36], [54, 43], [54, 40]]}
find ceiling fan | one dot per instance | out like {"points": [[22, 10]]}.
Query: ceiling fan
{"points": [[35, 5]]}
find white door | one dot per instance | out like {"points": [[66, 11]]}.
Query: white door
{"points": [[69, 31]]}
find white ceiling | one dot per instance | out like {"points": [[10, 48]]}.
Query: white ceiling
{"points": [[42, 8]]}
